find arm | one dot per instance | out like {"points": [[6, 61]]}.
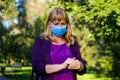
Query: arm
{"points": [[57, 67], [78, 56], [38, 64], [52, 68], [82, 68], [76, 65]]}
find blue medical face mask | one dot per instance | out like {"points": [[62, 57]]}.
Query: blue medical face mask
{"points": [[58, 30]]}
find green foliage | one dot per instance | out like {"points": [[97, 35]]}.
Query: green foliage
{"points": [[17, 40], [104, 18], [7, 8], [103, 21], [39, 25], [96, 25]]}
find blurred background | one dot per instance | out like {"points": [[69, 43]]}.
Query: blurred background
{"points": [[95, 23]]}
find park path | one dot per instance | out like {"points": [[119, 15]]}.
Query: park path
{"points": [[3, 78]]}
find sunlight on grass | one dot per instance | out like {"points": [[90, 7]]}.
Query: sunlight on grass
{"points": [[92, 76], [26, 68], [25, 73]]}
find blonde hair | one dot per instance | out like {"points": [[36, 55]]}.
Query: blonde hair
{"points": [[58, 14]]}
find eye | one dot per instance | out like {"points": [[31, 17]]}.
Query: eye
{"points": [[56, 23], [63, 23]]}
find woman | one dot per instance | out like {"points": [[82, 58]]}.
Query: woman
{"points": [[55, 55]]}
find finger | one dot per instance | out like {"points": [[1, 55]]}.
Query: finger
{"points": [[73, 58], [70, 61], [73, 65], [76, 65], [68, 66]]}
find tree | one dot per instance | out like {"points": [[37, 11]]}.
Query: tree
{"points": [[17, 39], [103, 22], [99, 43], [4, 11]]}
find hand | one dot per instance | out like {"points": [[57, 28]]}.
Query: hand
{"points": [[67, 62], [74, 65]]}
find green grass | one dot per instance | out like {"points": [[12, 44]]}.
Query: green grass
{"points": [[26, 72], [23, 74], [92, 76]]}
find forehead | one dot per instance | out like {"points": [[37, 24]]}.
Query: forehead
{"points": [[58, 16]]}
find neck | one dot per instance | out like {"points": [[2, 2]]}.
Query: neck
{"points": [[59, 40]]}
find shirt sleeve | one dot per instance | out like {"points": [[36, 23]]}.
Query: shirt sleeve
{"points": [[78, 56], [38, 64]]}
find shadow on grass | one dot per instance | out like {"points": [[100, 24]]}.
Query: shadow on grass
{"points": [[99, 73], [25, 74], [18, 75]]}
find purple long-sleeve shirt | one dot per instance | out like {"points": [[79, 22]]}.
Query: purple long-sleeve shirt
{"points": [[41, 57], [59, 53]]}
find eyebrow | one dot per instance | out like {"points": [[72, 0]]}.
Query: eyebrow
{"points": [[62, 21]]}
